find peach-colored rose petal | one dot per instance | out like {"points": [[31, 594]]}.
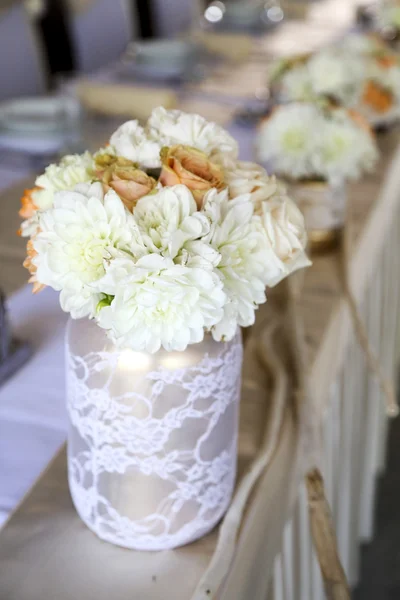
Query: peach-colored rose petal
{"points": [[192, 168]]}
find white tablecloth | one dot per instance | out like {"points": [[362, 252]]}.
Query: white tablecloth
{"points": [[10, 175], [32, 403]]}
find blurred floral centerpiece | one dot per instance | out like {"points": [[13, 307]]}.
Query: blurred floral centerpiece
{"points": [[388, 19], [362, 73], [317, 147], [161, 244]]}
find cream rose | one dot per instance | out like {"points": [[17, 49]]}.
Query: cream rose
{"points": [[284, 226], [250, 178], [192, 168]]}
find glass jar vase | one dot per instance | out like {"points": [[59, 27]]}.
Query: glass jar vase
{"points": [[152, 440]]}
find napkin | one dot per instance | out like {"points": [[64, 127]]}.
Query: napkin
{"points": [[124, 100], [233, 46]]}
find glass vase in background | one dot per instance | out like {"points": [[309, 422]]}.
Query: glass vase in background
{"points": [[323, 205]]}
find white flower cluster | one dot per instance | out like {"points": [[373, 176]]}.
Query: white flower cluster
{"points": [[360, 73], [305, 140], [389, 14], [165, 269], [382, 70], [329, 72]]}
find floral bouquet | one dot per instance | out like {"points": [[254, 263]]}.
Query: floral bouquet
{"points": [[388, 17], [317, 147], [379, 94], [324, 73], [363, 73], [164, 235]]}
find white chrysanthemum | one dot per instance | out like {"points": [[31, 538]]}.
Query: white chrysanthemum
{"points": [[159, 304], [131, 141], [73, 169], [288, 139], [389, 14], [176, 127], [296, 84], [346, 150], [360, 43], [169, 220], [246, 263], [78, 237], [285, 229], [335, 73]]}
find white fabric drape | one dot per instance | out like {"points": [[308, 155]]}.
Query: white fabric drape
{"points": [[21, 59]]}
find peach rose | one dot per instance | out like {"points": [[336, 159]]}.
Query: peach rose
{"points": [[123, 176], [192, 168]]}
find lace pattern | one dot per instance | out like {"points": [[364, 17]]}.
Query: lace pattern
{"points": [[152, 454]]}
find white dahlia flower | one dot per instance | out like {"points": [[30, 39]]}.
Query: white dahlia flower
{"points": [[361, 44], [288, 139], [346, 149], [244, 267], [72, 169], [169, 219], [337, 74], [296, 84], [175, 127], [334, 71], [389, 14], [302, 140], [78, 238], [159, 304]]}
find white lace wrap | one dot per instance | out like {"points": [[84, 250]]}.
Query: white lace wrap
{"points": [[153, 438]]}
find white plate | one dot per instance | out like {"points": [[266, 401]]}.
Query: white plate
{"points": [[241, 13], [153, 71], [31, 145], [164, 52], [38, 115]]}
